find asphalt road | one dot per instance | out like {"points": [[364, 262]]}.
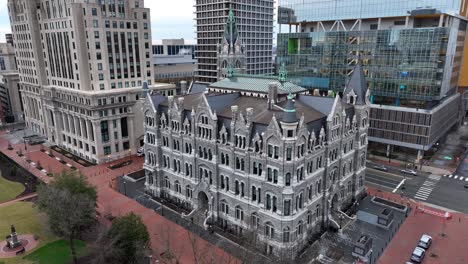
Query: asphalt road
{"points": [[443, 191]]}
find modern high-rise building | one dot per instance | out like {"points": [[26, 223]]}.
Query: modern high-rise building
{"points": [[82, 65], [254, 19], [412, 54]]}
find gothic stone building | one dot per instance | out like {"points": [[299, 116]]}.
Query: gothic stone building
{"points": [[258, 154]]}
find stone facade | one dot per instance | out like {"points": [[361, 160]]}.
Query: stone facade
{"points": [[276, 166]]}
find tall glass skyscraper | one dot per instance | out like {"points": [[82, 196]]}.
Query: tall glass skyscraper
{"points": [[412, 52]]}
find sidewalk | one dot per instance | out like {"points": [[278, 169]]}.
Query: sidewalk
{"points": [[401, 164], [19, 199]]}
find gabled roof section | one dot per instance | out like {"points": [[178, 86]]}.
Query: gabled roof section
{"points": [[322, 104], [256, 84], [158, 99], [358, 84]]}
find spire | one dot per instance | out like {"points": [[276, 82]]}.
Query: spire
{"points": [[283, 74], [230, 30], [145, 89], [289, 115], [357, 85]]}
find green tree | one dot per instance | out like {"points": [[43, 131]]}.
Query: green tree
{"points": [[127, 241], [70, 204]]}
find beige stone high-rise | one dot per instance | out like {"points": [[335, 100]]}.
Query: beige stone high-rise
{"points": [[82, 65]]}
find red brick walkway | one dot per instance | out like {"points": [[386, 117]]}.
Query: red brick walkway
{"points": [[449, 248], [19, 199], [164, 233]]}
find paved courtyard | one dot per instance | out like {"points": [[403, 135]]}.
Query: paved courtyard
{"points": [[449, 245], [185, 247]]}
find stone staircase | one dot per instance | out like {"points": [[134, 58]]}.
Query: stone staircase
{"points": [[199, 217]]}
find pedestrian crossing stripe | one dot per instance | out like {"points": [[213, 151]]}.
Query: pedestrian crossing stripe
{"points": [[461, 178], [456, 177], [450, 176]]}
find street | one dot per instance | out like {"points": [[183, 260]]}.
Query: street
{"points": [[444, 191]]}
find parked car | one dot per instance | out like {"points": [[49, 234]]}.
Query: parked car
{"points": [[408, 171], [425, 241], [140, 152], [418, 254], [380, 168], [466, 186]]}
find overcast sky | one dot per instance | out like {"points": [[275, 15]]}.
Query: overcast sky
{"points": [[170, 19]]}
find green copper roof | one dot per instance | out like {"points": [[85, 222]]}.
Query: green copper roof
{"points": [[258, 84], [230, 29]]}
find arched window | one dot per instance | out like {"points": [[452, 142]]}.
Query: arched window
{"points": [[287, 181], [177, 187], [224, 207], [254, 193], [224, 64], [167, 183], [239, 213], [309, 217], [300, 228], [269, 230], [317, 211], [286, 233]]}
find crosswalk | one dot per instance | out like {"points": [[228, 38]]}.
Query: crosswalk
{"points": [[426, 189], [456, 177]]}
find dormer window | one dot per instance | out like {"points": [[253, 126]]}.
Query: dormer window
{"points": [[290, 133]]}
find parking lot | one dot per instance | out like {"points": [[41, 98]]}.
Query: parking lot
{"points": [[449, 238]]}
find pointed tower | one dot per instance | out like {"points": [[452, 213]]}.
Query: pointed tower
{"points": [[356, 91], [231, 51]]}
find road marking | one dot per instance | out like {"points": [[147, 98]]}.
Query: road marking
{"points": [[420, 198], [426, 189], [466, 179], [456, 177], [434, 177], [450, 176], [399, 185], [461, 178]]}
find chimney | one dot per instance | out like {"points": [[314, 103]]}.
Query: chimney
{"points": [[183, 87], [249, 114], [170, 100], [234, 110], [272, 94], [181, 103]]}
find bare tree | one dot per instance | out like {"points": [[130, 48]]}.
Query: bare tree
{"points": [[70, 204]]}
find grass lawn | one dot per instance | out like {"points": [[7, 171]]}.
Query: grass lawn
{"points": [[9, 190], [27, 220], [57, 252]]}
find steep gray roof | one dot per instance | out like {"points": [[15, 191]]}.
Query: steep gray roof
{"points": [[322, 104], [198, 88], [358, 84]]}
